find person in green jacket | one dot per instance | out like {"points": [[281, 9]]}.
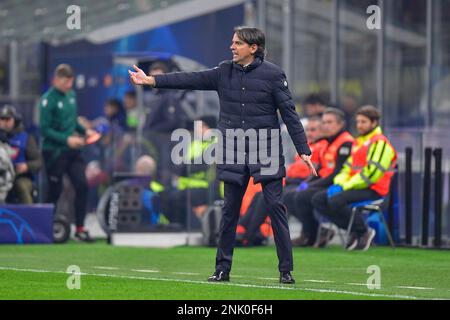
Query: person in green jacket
{"points": [[63, 138]]}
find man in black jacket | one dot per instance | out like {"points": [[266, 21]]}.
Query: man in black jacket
{"points": [[251, 91]]}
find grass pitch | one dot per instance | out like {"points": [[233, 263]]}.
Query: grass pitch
{"points": [[107, 272]]}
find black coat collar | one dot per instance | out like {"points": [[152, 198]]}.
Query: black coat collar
{"points": [[255, 64]]}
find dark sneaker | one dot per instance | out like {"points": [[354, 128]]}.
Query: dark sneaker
{"points": [[286, 277], [365, 240], [352, 242], [326, 235], [302, 241], [219, 276], [83, 236]]}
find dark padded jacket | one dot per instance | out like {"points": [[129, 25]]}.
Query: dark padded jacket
{"points": [[249, 99]]}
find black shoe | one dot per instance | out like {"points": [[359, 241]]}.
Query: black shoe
{"points": [[219, 276], [352, 242], [286, 277], [326, 235], [83, 236], [365, 240]]}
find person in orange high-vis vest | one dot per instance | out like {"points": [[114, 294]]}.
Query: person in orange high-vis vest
{"points": [[331, 160], [254, 227], [365, 176], [298, 171]]}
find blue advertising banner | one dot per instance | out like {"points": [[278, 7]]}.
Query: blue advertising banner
{"points": [[24, 224]]}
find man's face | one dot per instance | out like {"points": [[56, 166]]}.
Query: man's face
{"points": [[314, 109], [330, 125], [63, 84], [312, 130], [364, 125], [7, 124], [129, 102], [242, 52], [110, 110]]}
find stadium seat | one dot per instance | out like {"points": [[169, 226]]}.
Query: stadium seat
{"points": [[369, 207]]}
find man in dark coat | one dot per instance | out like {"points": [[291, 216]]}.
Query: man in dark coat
{"points": [[251, 90]]}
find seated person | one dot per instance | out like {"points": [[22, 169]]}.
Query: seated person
{"points": [[254, 224], [196, 181], [298, 171], [366, 175], [151, 199], [27, 159], [6, 168], [331, 160], [254, 227]]}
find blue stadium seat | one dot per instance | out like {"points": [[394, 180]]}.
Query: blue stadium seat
{"points": [[369, 207]]}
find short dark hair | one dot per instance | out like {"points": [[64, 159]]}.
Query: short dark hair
{"points": [[370, 112], [314, 99], [159, 65], [131, 94], [339, 114], [314, 118], [209, 120], [64, 71], [252, 36], [114, 103]]}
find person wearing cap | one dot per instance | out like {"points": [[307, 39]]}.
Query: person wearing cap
{"points": [[26, 158], [63, 138]]}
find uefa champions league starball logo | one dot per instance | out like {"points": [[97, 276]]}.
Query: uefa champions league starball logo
{"points": [[14, 226]]}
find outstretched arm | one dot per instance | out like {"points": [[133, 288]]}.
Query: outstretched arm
{"points": [[200, 80]]}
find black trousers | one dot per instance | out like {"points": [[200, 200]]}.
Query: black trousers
{"points": [[289, 193], [272, 193], [304, 211], [337, 208], [72, 164]]}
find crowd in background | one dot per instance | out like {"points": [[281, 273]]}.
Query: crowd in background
{"points": [[123, 147]]}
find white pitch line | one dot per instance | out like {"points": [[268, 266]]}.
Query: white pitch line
{"points": [[144, 270], [105, 268], [415, 288], [268, 278], [243, 285], [187, 273], [357, 284], [318, 281]]}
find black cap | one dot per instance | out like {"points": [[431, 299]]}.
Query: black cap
{"points": [[8, 111]]}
